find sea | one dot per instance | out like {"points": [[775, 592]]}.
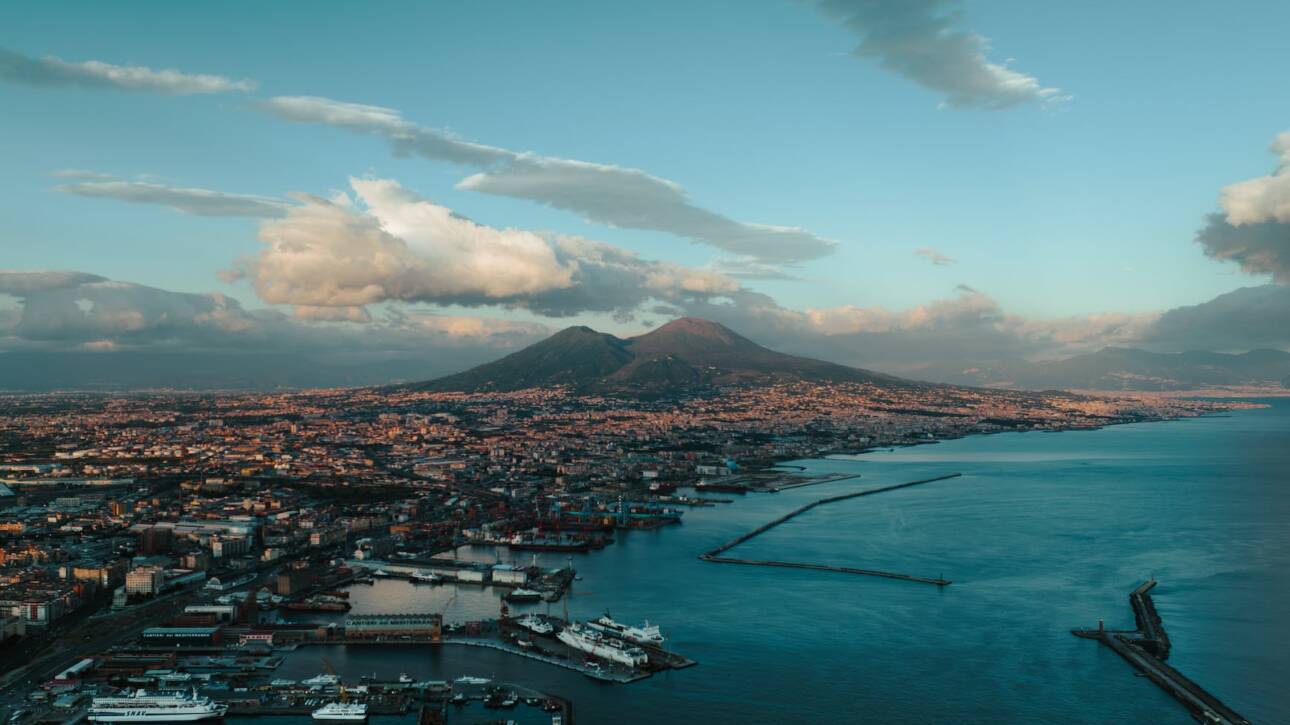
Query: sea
{"points": [[1043, 533]]}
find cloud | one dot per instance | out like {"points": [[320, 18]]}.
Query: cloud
{"points": [[1250, 317], [613, 195], [389, 244], [74, 310], [936, 258], [922, 41], [51, 72], [200, 202], [1254, 230]]}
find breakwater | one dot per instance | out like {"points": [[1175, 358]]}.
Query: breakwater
{"points": [[715, 555]]}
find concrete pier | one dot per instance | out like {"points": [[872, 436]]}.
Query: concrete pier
{"points": [[714, 555], [1146, 649]]}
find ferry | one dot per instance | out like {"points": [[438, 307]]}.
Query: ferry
{"points": [[428, 578], [581, 637], [649, 634], [349, 711], [142, 707], [321, 681], [535, 624], [523, 595]]}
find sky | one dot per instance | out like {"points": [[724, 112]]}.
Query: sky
{"points": [[888, 183]]}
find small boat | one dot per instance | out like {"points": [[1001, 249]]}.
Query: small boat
{"points": [[380, 572], [468, 680], [427, 578], [348, 711]]}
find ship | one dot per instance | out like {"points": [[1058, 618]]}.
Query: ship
{"points": [[142, 707], [649, 634], [321, 681], [521, 543], [427, 577], [348, 711], [581, 637], [535, 624], [469, 680], [523, 595]]}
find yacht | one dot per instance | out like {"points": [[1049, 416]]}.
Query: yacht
{"points": [[350, 711], [142, 707]]}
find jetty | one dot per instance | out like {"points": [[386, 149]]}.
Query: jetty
{"points": [[715, 555], [1147, 647]]}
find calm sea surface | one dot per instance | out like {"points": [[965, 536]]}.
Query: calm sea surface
{"points": [[1043, 533]]}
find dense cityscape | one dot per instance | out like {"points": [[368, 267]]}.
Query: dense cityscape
{"points": [[139, 532]]}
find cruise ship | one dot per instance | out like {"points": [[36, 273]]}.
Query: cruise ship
{"points": [[581, 637], [142, 707], [649, 634], [350, 711]]}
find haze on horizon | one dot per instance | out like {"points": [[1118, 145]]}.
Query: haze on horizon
{"points": [[917, 187]]}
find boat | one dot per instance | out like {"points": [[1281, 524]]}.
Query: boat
{"points": [[649, 634], [521, 543], [427, 577], [523, 595], [348, 711], [586, 639], [468, 680], [142, 707], [282, 683], [535, 624], [380, 572], [321, 681]]}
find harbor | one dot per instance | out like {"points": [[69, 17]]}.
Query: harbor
{"points": [[715, 555], [1146, 649]]}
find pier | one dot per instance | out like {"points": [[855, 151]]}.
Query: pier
{"points": [[715, 555], [1147, 647]]}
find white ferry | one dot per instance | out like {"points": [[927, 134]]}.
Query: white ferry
{"points": [[350, 711], [142, 707], [592, 642], [535, 624], [321, 681], [649, 634]]}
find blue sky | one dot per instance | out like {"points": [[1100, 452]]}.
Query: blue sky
{"points": [[756, 108]]}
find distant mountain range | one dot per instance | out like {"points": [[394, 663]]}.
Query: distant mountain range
{"points": [[1127, 369], [684, 354]]}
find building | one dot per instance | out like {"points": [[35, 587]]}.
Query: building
{"points": [[156, 540], [145, 580], [507, 574], [103, 575], [225, 546], [394, 625], [181, 636], [223, 613]]}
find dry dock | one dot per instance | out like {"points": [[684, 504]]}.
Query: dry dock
{"points": [[715, 555], [1146, 649]]}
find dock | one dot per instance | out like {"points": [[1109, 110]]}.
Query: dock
{"points": [[715, 555], [1146, 649]]}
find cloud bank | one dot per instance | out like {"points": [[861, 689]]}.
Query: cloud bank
{"points": [[606, 194], [387, 244], [922, 41], [51, 72]]}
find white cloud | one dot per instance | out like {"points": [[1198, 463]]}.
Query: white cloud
{"points": [[51, 72], [389, 244], [1262, 199], [1254, 230], [934, 256], [612, 195], [922, 41]]}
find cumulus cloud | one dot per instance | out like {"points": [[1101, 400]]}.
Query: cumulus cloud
{"points": [[51, 72], [935, 257], [613, 195], [1254, 228], [200, 202], [386, 243], [923, 41]]}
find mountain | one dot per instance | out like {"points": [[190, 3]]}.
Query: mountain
{"points": [[683, 354], [1118, 368]]}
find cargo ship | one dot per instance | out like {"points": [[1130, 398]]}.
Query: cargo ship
{"points": [[585, 639], [347, 711], [142, 707], [649, 634], [521, 543]]}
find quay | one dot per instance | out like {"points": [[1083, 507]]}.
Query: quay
{"points": [[1146, 649], [715, 555]]}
